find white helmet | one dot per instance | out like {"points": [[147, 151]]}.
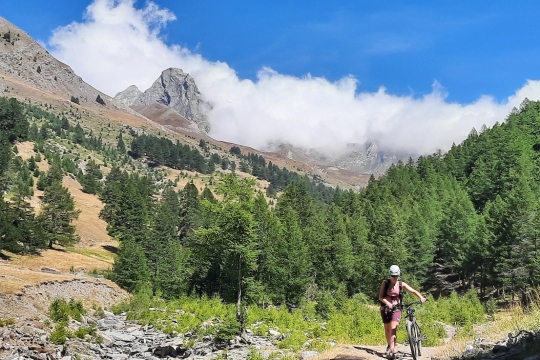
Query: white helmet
{"points": [[394, 270]]}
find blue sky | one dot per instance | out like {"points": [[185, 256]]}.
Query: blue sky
{"points": [[471, 58], [472, 48]]}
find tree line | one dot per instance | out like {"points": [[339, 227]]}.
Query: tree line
{"points": [[454, 221]]}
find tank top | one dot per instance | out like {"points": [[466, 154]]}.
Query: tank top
{"points": [[392, 294]]}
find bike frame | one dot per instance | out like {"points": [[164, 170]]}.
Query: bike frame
{"points": [[414, 334]]}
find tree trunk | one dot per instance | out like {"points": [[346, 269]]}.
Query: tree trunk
{"points": [[239, 315]]}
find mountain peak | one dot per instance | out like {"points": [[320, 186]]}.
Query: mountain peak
{"points": [[175, 89]]}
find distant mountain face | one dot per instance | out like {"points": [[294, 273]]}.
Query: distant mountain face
{"points": [[356, 158], [174, 89]]}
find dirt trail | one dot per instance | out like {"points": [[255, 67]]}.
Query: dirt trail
{"points": [[362, 352]]}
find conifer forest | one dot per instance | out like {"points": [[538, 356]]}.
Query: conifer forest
{"points": [[455, 221]]}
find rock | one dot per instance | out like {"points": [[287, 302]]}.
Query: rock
{"points": [[129, 96], [308, 354], [183, 353], [117, 356], [50, 270], [498, 349], [164, 351]]}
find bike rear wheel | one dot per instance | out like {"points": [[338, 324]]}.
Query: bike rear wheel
{"points": [[413, 341]]}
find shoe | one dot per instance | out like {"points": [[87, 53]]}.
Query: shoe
{"points": [[387, 352]]}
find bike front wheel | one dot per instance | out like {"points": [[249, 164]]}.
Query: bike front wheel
{"points": [[413, 341], [418, 335]]}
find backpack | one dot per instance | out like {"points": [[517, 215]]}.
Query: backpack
{"points": [[387, 285]]}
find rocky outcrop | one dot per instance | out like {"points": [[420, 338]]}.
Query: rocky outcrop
{"points": [[523, 345], [129, 97], [175, 89]]}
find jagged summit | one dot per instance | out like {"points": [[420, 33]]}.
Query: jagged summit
{"points": [[175, 89], [129, 96]]}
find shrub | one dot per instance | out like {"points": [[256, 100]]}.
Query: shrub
{"points": [[85, 330], [491, 307], [60, 310], [100, 100], [227, 330], [60, 334], [6, 322]]}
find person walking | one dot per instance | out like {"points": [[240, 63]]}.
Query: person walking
{"points": [[390, 296]]}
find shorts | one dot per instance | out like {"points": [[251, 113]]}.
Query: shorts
{"points": [[390, 315]]}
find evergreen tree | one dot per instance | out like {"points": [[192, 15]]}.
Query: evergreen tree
{"points": [[121, 146], [130, 270], [13, 123], [288, 265], [233, 234], [90, 180], [57, 213]]}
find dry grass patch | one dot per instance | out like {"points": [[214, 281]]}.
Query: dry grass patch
{"points": [[61, 260], [14, 278], [91, 229]]}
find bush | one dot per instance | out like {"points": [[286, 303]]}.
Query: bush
{"points": [[227, 330], [60, 334], [60, 310], [491, 307], [325, 304], [6, 322], [100, 100]]}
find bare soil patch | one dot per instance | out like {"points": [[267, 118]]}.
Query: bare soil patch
{"points": [[362, 352]]}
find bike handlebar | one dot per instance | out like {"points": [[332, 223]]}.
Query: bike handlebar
{"points": [[411, 304]]}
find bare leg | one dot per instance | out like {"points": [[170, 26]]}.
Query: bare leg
{"points": [[388, 334], [393, 329]]}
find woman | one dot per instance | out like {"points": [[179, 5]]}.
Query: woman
{"points": [[390, 297]]}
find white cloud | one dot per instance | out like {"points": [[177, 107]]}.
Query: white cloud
{"points": [[118, 45]]}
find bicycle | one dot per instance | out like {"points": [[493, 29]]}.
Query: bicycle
{"points": [[413, 330]]}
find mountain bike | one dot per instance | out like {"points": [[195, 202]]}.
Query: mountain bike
{"points": [[413, 330]]}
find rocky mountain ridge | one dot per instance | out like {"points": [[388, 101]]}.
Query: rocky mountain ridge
{"points": [[174, 89], [32, 64]]}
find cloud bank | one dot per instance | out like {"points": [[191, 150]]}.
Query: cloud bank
{"points": [[117, 45]]}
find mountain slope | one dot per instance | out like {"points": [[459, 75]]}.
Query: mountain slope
{"points": [[29, 73]]}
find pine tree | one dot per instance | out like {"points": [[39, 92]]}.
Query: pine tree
{"points": [[57, 213], [288, 265], [233, 236], [121, 146], [130, 270]]}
